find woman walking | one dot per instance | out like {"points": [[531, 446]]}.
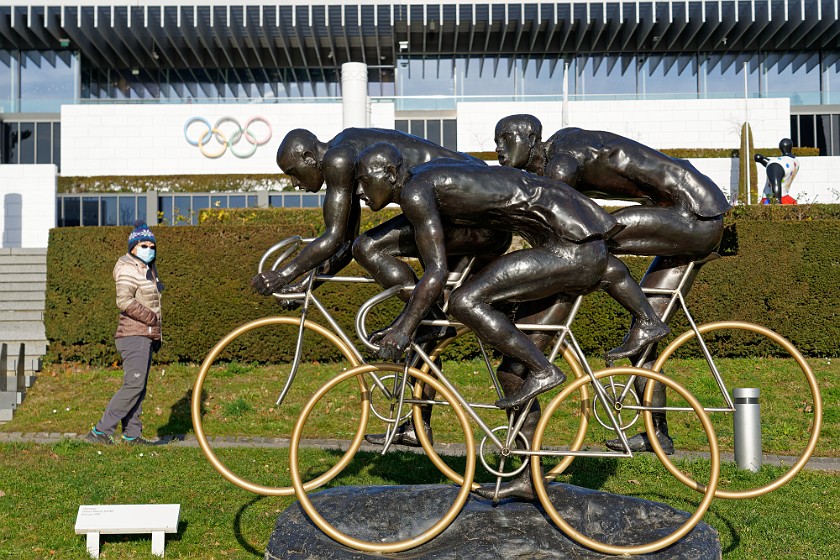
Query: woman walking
{"points": [[138, 336]]}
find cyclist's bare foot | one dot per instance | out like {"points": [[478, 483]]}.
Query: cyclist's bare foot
{"points": [[640, 335], [520, 488], [537, 381]]}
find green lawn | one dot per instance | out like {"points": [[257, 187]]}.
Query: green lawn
{"points": [[41, 486]]}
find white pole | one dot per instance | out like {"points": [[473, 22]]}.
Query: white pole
{"points": [[747, 131], [565, 95], [354, 94]]}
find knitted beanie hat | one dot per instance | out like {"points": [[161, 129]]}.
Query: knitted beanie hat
{"points": [[141, 233]]}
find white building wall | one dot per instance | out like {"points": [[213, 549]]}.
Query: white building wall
{"points": [[150, 139], [27, 205], [661, 124]]}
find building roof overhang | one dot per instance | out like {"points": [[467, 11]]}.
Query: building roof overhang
{"points": [[324, 34]]}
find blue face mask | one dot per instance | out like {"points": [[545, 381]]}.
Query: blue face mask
{"points": [[146, 254]]}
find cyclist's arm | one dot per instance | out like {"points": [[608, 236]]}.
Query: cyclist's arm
{"points": [[341, 218], [420, 208]]}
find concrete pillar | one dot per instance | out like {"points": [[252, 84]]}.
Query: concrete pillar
{"points": [[354, 94]]}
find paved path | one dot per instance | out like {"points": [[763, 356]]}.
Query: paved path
{"points": [[816, 463]]}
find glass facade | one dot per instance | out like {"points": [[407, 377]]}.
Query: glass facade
{"points": [[172, 209], [42, 81], [440, 131], [817, 131], [28, 141]]}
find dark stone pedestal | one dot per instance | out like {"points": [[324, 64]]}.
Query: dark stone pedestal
{"points": [[512, 530]]}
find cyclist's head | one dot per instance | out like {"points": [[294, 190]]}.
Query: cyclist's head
{"points": [[516, 138], [377, 173], [298, 157]]}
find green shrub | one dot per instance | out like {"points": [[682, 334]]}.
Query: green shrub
{"points": [[780, 269]]}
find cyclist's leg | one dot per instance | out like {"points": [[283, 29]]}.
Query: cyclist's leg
{"points": [[526, 275], [647, 328], [511, 374], [664, 273], [381, 250], [680, 238]]}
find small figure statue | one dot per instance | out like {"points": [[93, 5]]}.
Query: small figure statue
{"points": [[781, 171], [309, 164], [679, 219]]}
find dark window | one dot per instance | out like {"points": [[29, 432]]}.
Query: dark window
{"points": [[433, 131], [108, 210], [26, 142], [450, 134], [90, 211], [182, 212], [72, 212], [835, 136], [417, 128], [43, 142], [141, 207], [823, 133], [128, 211], [199, 203], [56, 132], [401, 125], [165, 208], [236, 201], [310, 202], [807, 137]]}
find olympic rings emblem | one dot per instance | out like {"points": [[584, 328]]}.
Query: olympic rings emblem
{"points": [[227, 132]]}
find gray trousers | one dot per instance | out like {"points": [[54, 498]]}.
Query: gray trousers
{"points": [[127, 404]]}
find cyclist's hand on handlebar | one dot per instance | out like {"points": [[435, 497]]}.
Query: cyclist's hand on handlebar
{"points": [[392, 345], [268, 282]]}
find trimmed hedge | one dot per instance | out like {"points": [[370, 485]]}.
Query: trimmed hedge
{"points": [[780, 271], [279, 181]]}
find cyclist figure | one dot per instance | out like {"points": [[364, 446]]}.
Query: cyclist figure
{"points": [[781, 171], [568, 254], [679, 219], [309, 164]]}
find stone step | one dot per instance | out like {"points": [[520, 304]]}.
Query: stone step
{"points": [[7, 277], [11, 399], [33, 348], [11, 331], [18, 252], [20, 315], [8, 260], [15, 304], [31, 364], [23, 295], [24, 286], [23, 268]]}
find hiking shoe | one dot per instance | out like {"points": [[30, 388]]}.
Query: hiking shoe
{"points": [[95, 436], [139, 440]]}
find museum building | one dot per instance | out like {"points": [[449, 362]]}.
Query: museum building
{"points": [[169, 88]]}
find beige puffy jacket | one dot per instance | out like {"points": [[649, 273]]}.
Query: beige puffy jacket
{"points": [[138, 297]]}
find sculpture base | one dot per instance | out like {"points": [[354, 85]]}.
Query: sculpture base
{"points": [[481, 531]]}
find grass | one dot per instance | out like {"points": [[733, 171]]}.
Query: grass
{"points": [[42, 485]]}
